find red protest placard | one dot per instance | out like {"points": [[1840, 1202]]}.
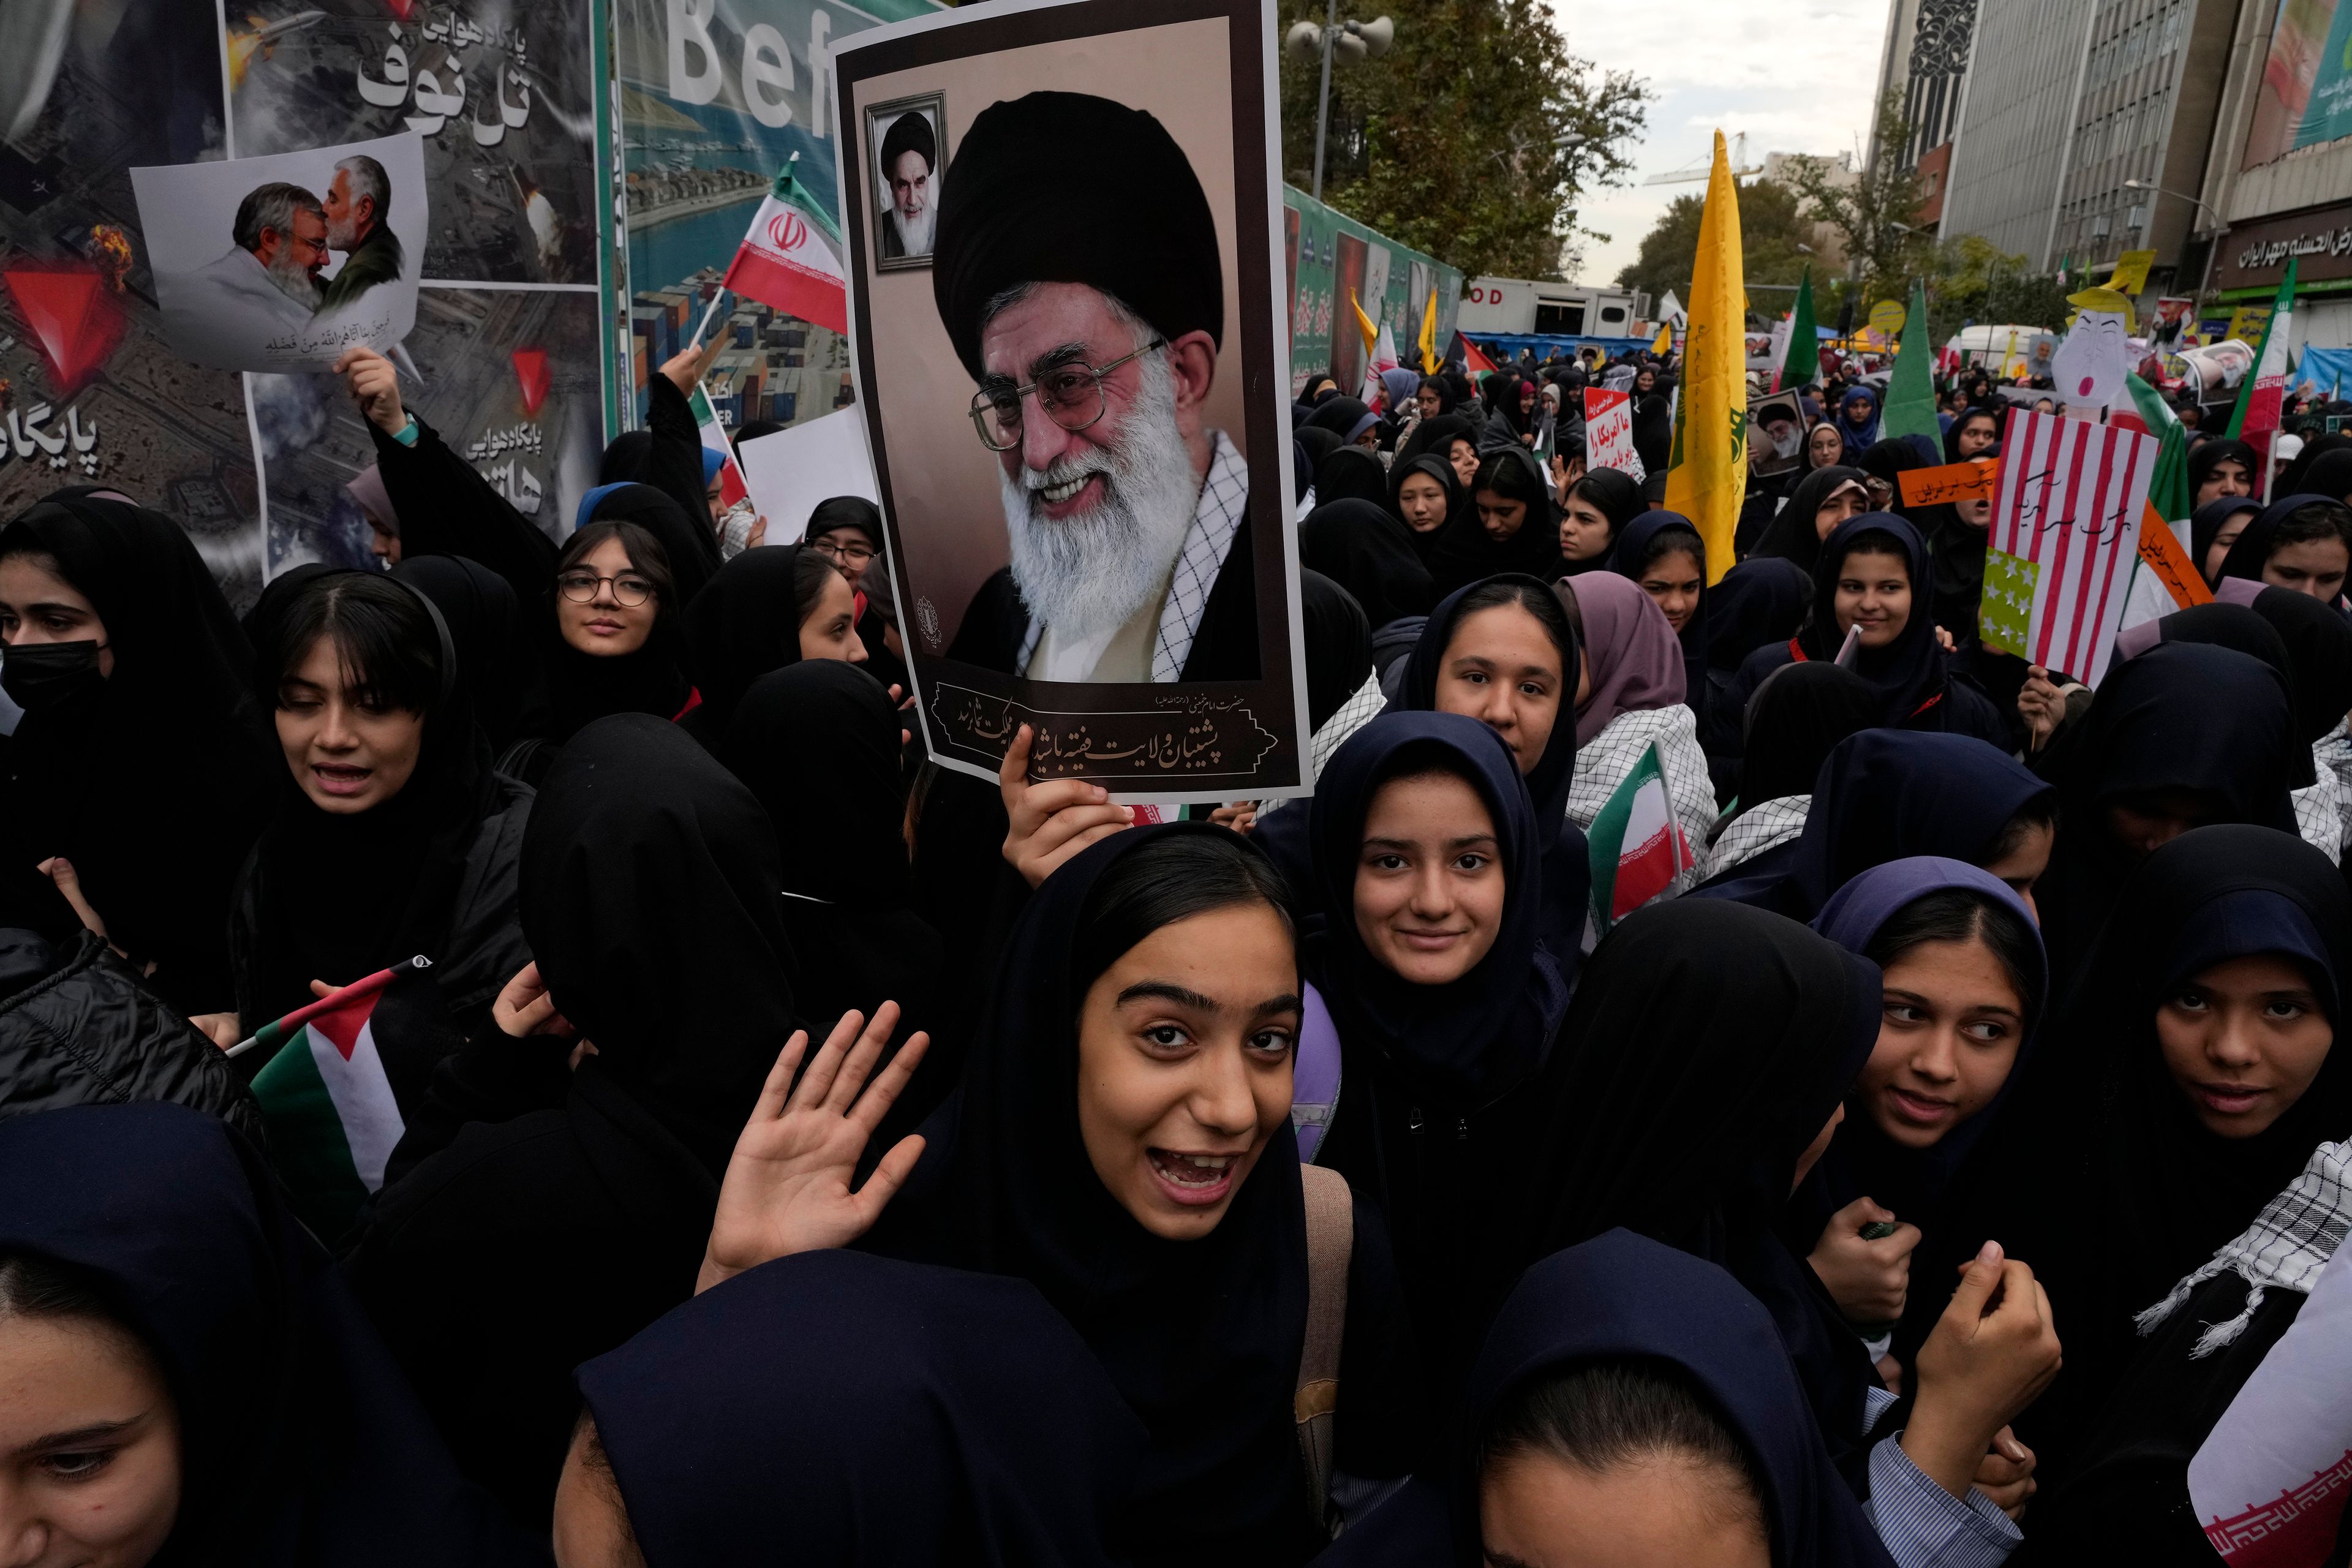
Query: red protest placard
{"points": [[1609, 431]]}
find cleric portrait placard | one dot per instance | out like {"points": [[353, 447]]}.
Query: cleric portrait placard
{"points": [[1076, 412]]}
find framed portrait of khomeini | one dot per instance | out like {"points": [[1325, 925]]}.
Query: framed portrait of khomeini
{"points": [[909, 142]]}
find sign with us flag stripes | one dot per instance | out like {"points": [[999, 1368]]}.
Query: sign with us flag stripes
{"points": [[2066, 532]]}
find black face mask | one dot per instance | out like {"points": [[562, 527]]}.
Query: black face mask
{"points": [[41, 675]]}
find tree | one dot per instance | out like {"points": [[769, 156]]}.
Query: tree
{"points": [[1769, 234], [1877, 216], [1970, 280], [1472, 139]]}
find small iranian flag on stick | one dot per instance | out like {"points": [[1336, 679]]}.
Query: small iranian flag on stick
{"points": [[790, 258], [324, 1097], [731, 483], [1638, 849]]}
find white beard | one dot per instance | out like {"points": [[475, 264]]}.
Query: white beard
{"points": [[1088, 574], [914, 234], [293, 279]]}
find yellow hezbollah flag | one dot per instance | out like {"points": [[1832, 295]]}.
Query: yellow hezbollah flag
{"points": [[1666, 342], [1428, 361], [1706, 477], [1364, 324]]}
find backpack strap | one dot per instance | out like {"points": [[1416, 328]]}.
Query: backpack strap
{"points": [[1330, 1241]]}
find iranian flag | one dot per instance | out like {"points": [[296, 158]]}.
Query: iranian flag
{"points": [[732, 485], [792, 257], [1638, 848], [324, 1097], [2255, 420]]}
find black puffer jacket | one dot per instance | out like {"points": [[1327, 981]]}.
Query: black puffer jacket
{"points": [[77, 1028]]}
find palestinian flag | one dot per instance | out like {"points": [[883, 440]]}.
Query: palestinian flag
{"points": [[732, 485], [327, 1103], [1473, 359], [1638, 849], [790, 258]]}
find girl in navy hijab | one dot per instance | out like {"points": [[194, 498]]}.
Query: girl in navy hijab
{"points": [[851, 1410], [256, 1418], [1857, 421], [1446, 975], [1626, 1336], [1964, 980]]}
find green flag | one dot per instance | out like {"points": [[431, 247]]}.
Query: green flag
{"points": [[1803, 364], [1911, 389], [2169, 491]]}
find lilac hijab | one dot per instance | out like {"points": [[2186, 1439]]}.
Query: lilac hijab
{"points": [[1629, 651]]}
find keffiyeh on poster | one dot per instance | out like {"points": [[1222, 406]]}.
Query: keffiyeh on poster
{"points": [[1074, 409]]}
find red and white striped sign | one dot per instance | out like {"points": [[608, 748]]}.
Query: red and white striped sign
{"points": [[2070, 501]]}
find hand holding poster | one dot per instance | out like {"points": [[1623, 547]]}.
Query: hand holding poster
{"points": [[2066, 532], [1609, 433], [1074, 412], [280, 263]]}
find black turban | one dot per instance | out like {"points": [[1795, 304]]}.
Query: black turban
{"points": [[909, 134], [1143, 233]]}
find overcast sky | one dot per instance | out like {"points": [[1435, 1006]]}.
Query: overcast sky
{"points": [[1797, 78]]}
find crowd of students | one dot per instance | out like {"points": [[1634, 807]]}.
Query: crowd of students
{"points": [[809, 1154]]}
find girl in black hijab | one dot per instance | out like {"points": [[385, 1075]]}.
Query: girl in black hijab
{"points": [[1756, 604], [1350, 474], [393, 838], [1348, 419], [1975, 433], [268, 1427], [818, 744], [765, 610], [2184, 736], [2289, 522], [1319, 444], [1890, 795], [1056, 1163], [124, 657], [2290, 479], [1436, 396], [1906, 669], [1504, 421], [1422, 824], [2214, 527], [1663, 553], [545, 1215], [2191, 1076], [1507, 530], [1426, 495], [2211, 480], [1798, 716], [614, 627], [1594, 514], [484, 621], [1653, 433], [861, 1410], [1699, 1147], [1451, 436], [1817, 504], [1365, 549]]}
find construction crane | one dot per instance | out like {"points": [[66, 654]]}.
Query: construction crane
{"points": [[1692, 174]]}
